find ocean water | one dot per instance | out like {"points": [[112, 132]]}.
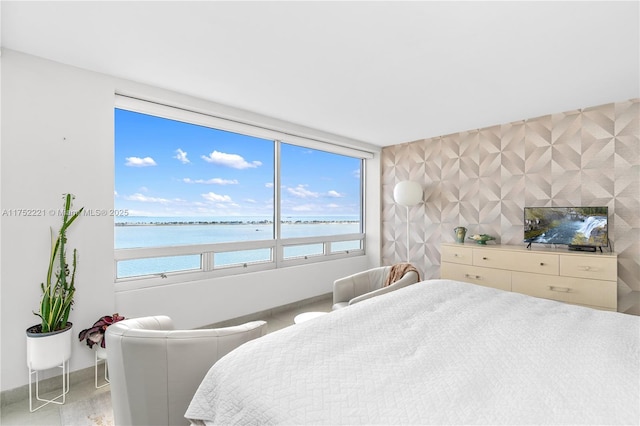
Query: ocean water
{"points": [[133, 220], [138, 232]]}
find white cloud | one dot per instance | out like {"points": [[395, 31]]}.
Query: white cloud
{"points": [[304, 208], [213, 181], [234, 161], [226, 206], [145, 199], [301, 191], [268, 185], [181, 156], [140, 162], [212, 196], [335, 194]]}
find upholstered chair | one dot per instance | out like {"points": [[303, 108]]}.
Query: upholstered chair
{"points": [[367, 284], [155, 370]]}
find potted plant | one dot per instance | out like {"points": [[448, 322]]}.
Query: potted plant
{"points": [[49, 342], [95, 334]]}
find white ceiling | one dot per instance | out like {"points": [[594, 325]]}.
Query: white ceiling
{"points": [[379, 72]]}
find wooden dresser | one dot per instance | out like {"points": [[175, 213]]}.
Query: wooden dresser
{"points": [[581, 278]]}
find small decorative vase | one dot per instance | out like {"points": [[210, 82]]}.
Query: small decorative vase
{"points": [[460, 233]]}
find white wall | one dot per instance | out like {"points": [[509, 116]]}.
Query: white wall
{"points": [[57, 137]]}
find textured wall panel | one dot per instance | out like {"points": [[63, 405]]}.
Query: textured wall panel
{"points": [[482, 179]]}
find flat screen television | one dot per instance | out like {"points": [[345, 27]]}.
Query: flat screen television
{"points": [[580, 228]]}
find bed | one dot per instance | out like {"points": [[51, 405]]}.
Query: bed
{"points": [[436, 352]]}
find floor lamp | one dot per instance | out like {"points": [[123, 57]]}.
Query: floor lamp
{"points": [[407, 193]]}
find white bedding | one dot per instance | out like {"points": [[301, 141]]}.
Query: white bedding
{"points": [[437, 352]]}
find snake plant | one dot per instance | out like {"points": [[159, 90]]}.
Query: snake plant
{"points": [[59, 289]]}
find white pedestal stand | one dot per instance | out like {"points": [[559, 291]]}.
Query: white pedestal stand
{"points": [[56, 400], [44, 352], [101, 355]]}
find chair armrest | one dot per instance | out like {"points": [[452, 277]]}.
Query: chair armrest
{"points": [[151, 323], [226, 338], [408, 278], [345, 289]]}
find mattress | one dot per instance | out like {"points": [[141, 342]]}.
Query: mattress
{"points": [[436, 352]]}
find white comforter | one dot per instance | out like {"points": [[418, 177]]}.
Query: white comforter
{"points": [[437, 352]]}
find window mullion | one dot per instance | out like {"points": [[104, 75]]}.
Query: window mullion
{"points": [[207, 261], [363, 165], [279, 255]]}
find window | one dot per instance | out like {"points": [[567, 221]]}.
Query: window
{"points": [[203, 195], [320, 196]]}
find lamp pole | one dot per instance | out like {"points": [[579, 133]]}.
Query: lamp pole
{"points": [[408, 252], [407, 193]]}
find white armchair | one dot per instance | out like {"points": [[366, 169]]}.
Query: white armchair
{"points": [[155, 370], [364, 285]]}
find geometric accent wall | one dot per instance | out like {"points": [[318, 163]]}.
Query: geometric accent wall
{"points": [[482, 179]]}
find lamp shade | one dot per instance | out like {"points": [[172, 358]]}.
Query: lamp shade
{"points": [[407, 193]]}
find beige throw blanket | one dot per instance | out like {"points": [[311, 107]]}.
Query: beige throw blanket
{"points": [[397, 271]]}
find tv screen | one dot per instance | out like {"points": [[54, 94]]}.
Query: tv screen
{"points": [[572, 226]]}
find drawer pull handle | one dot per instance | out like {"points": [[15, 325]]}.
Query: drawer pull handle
{"points": [[541, 263], [473, 277], [484, 258], [560, 289], [455, 254], [586, 268]]}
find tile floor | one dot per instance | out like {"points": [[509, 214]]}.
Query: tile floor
{"points": [[18, 413]]}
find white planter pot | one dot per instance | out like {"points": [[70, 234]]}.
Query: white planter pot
{"points": [[48, 350], [101, 353]]}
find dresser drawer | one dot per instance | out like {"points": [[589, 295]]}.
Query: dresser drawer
{"points": [[592, 267], [547, 287], [457, 254], [540, 263], [476, 275], [596, 293]]}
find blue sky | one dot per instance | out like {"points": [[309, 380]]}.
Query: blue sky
{"points": [[169, 168]]}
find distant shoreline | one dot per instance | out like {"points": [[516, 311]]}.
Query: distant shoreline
{"points": [[236, 222]]}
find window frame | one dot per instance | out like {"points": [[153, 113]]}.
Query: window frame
{"points": [[207, 252]]}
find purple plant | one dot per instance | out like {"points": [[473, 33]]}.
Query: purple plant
{"points": [[95, 334]]}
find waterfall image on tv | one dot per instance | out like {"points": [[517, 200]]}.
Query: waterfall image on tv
{"points": [[573, 226]]}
